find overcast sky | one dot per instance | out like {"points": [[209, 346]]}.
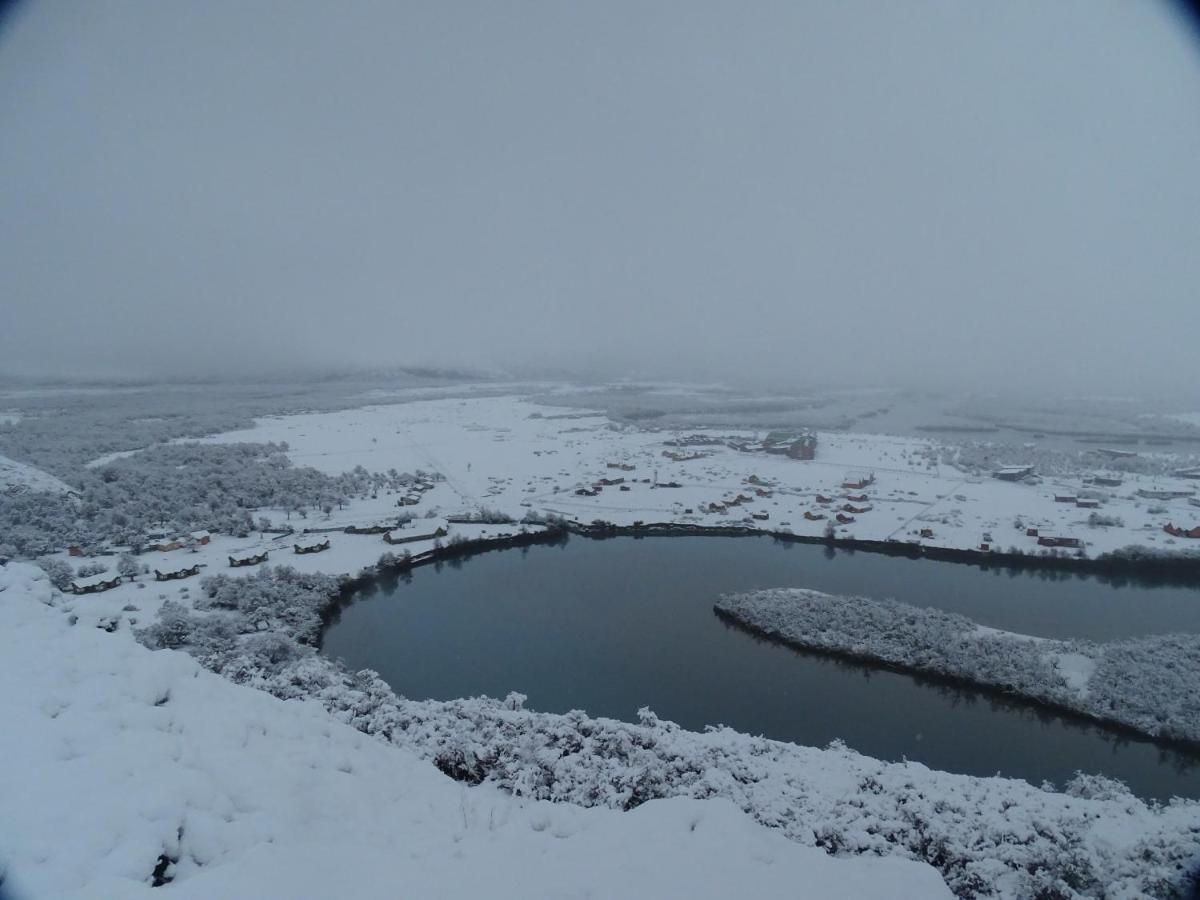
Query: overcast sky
{"points": [[964, 193]]}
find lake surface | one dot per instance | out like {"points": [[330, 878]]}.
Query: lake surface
{"points": [[611, 625]]}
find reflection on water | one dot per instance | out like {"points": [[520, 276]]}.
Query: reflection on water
{"points": [[609, 626]]}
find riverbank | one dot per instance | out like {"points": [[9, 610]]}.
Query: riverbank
{"points": [[1149, 685], [1159, 567]]}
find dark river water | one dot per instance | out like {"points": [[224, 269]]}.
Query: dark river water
{"points": [[611, 625]]}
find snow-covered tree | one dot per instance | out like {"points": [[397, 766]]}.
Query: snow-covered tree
{"points": [[128, 567]]}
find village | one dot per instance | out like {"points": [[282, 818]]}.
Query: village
{"points": [[500, 466]]}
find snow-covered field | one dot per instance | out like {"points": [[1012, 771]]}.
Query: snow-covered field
{"points": [[119, 760], [513, 455], [1150, 684]]}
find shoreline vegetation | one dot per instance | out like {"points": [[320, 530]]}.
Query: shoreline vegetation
{"points": [[1149, 686]]}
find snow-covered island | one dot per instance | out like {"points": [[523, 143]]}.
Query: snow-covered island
{"points": [[1148, 684]]}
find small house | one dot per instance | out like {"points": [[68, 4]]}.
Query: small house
{"points": [[1065, 498], [95, 584], [175, 574], [1031, 532], [310, 545], [249, 558], [761, 516], [1087, 503], [200, 537], [926, 532], [844, 520], [813, 517]]}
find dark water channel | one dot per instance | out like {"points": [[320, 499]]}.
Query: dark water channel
{"points": [[609, 626]]}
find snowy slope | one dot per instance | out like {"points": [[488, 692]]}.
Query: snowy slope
{"points": [[18, 474], [115, 755]]}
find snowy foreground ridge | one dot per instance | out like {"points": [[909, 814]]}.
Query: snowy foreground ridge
{"points": [[119, 761], [987, 837], [1150, 684]]}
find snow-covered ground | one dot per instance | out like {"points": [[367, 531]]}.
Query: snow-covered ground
{"points": [[18, 474], [118, 760], [513, 455]]}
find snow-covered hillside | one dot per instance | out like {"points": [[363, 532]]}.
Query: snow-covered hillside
{"points": [[119, 761], [18, 474]]}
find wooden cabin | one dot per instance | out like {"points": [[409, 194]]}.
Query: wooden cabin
{"points": [[813, 517], [311, 547], [174, 574], [844, 520], [95, 584], [247, 559], [1087, 503]]}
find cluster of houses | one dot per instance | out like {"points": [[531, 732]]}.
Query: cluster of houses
{"points": [[416, 489], [792, 444], [1175, 531], [620, 483]]}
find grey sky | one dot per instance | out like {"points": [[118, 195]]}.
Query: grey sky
{"points": [[948, 192]]}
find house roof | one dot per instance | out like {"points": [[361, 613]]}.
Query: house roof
{"points": [[247, 554], [92, 580]]}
